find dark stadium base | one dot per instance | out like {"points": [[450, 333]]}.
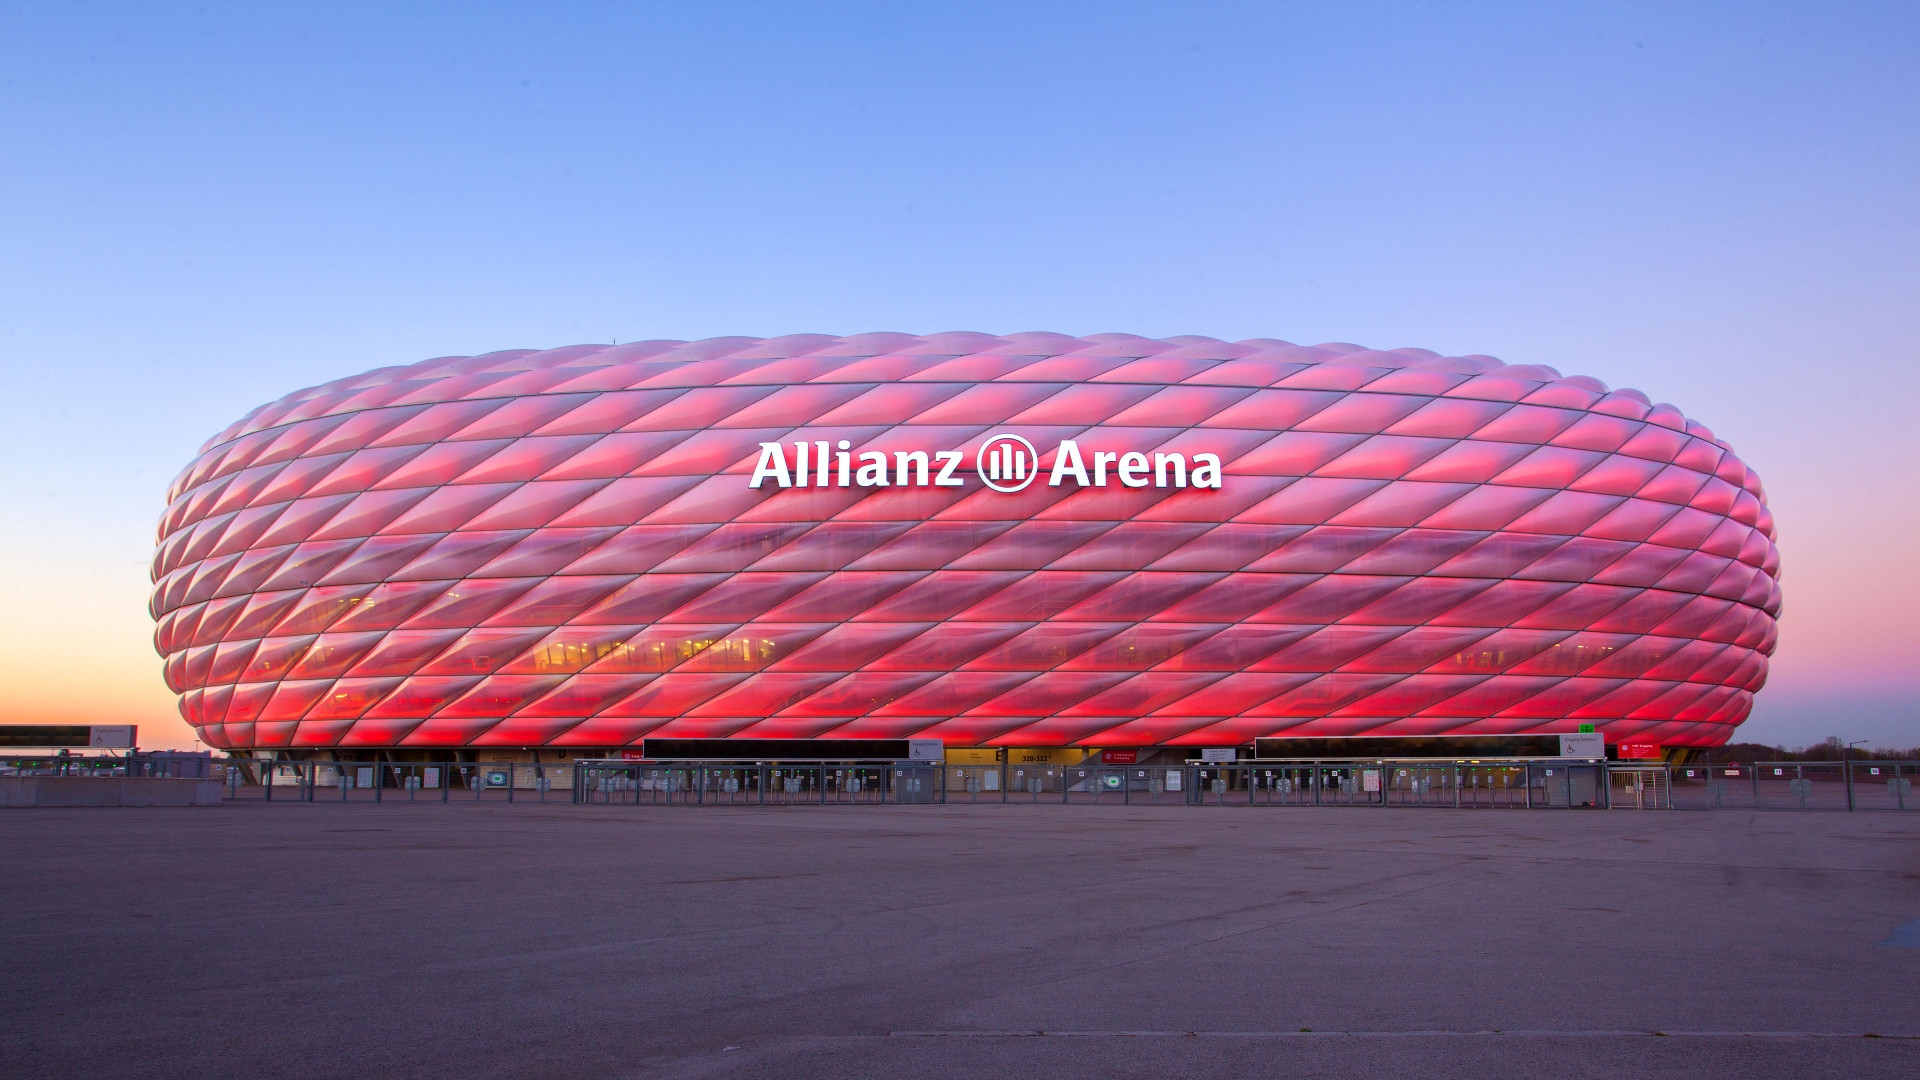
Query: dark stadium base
{"points": [[1358, 748], [776, 749], [1448, 747]]}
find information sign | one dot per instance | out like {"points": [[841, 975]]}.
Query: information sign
{"points": [[1043, 755], [1583, 745], [67, 735]]}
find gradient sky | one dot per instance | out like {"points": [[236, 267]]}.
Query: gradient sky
{"points": [[205, 206]]}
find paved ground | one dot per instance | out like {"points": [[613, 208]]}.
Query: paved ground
{"points": [[308, 940]]}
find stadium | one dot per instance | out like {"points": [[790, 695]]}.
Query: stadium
{"points": [[1035, 541]]}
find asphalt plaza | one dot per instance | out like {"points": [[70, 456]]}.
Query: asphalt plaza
{"points": [[487, 940]]}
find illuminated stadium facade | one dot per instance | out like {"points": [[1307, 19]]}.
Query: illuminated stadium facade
{"points": [[1022, 541]]}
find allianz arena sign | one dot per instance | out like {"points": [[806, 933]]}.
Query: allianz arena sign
{"points": [[1028, 541], [1005, 462]]}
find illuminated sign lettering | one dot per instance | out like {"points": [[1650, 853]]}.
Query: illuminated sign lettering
{"points": [[1007, 462], [1004, 462]]}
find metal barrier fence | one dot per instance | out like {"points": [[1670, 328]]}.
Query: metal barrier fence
{"points": [[1796, 785], [174, 764], [1505, 784], [743, 784], [411, 781], [1515, 785]]}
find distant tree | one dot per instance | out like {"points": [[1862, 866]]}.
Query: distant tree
{"points": [[1747, 752], [1831, 748]]}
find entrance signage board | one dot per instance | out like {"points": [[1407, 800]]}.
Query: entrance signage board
{"points": [[1221, 753], [1584, 745], [1120, 757], [1639, 750], [68, 735], [1046, 755]]}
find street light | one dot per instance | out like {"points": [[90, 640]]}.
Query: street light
{"points": [[1846, 767]]}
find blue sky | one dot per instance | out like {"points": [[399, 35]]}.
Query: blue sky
{"points": [[205, 206]]}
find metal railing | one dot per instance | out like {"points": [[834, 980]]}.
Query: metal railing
{"points": [[1423, 783], [272, 780], [1796, 785], [166, 764], [733, 783]]}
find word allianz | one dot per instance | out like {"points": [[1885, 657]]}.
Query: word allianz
{"points": [[1004, 462]]}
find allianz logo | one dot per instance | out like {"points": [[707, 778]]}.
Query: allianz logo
{"points": [[1004, 462]]}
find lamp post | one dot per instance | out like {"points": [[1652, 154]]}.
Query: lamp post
{"points": [[1846, 761]]}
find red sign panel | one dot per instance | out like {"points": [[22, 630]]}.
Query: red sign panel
{"points": [[1120, 757], [1639, 750]]}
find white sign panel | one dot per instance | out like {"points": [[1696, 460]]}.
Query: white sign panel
{"points": [[110, 735], [926, 750], [1587, 744], [1213, 753]]}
